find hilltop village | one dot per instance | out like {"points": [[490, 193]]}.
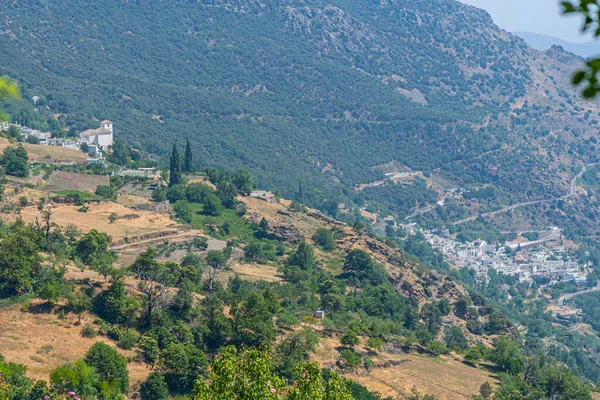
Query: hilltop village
{"points": [[95, 142], [541, 256]]}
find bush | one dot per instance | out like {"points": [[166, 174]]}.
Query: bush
{"points": [[324, 238], [436, 348], [368, 364], [350, 339], [129, 340], [109, 365], [150, 349], [154, 388], [106, 192], [89, 331], [375, 343], [349, 359]]}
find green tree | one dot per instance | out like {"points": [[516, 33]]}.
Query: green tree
{"points": [[188, 159], [358, 263], [102, 263], [250, 375], [349, 339], [110, 366], [90, 245], [455, 339], [78, 377], [15, 162], [175, 175], [375, 343], [263, 226], [121, 153], [107, 192], [243, 181], [473, 355], [227, 192], [183, 211], [181, 364], [212, 204], [486, 390], [303, 257], [114, 305], [295, 349], [8, 88], [154, 388], [216, 262], [507, 356], [154, 280], [20, 261], [252, 321], [591, 13], [324, 238]]}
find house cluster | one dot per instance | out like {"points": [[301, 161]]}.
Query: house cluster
{"points": [[549, 262], [95, 141]]}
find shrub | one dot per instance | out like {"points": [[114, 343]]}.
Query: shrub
{"points": [[109, 365], [350, 339], [154, 388], [324, 238], [129, 340], [436, 348], [368, 364], [150, 349], [375, 343], [89, 331], [349, 359]]}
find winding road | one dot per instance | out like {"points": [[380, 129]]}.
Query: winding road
{"points": [[561, 302], [572, 192]]}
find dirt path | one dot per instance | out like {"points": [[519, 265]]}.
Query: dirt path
{"points": [[126, 246]]}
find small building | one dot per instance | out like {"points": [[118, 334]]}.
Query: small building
{"points": [[102, 137], [320, 314], [263, 195]]}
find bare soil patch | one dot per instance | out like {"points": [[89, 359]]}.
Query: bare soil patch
{"points": [[60, 180]]}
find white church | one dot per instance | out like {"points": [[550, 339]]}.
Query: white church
{"points": [[101, 137]]}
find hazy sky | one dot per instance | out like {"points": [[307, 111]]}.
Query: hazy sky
{"points": [[538, 16]]}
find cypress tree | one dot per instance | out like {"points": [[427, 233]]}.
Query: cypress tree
{"points": [[300, 195], [175, 177], [188, 160]]}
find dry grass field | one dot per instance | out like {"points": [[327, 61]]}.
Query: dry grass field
{"points": [[48, 154], [444, 377], [97, 218], [42, 342]]}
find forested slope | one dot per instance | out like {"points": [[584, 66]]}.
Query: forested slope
{"points": [[312, 91]]}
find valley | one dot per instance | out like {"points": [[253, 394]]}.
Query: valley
{"points": [[300, 199]]}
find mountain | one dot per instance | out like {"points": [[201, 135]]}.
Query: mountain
{"points": [[544, 42], [321, 92]]}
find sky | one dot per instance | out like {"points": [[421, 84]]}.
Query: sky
{"points": [[537, 16]]}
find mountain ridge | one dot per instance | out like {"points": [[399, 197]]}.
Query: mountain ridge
{"points": [[342, 87]]}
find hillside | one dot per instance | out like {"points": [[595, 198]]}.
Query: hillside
{"points": [[320, 92], [122, 285]]}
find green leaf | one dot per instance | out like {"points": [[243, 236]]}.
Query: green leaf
{"points": [[590, 92], [578, 77], [568, 7]]}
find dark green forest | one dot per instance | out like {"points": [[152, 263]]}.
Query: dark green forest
{"points": [[309, 92]]}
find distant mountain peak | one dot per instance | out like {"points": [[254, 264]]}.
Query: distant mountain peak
{"points": [[545, 42]]}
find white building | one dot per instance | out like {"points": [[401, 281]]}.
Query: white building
{"points": [[102, 137]]}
